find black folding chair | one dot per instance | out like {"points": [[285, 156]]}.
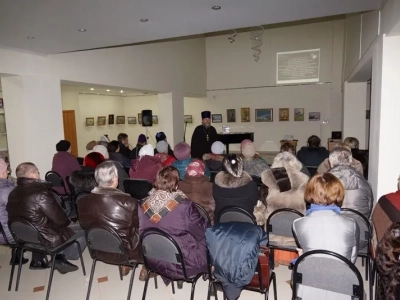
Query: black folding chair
{"points": [[235, 214], [14, 250], [312, 170], [160, 246], [203, 213], [322, 270], [27, 237], [138, 188], [56, 181], [103, 241]]}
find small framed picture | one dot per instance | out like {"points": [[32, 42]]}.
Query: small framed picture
{"points": [[188, 118], [89, 121], [299, 114], [216, 118], [110, 119], [231, 115], [155, 119], [264, 115], [314, 116], [131, 120], [120, 119], [1, 103], [284, 114], [101, 121], [139, 117], [245, 114]]}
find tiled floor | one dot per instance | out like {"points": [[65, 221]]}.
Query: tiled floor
{"points": [[108, 286]]}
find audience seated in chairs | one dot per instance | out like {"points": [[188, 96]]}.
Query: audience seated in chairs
{"points": [[115, 155], [64, 163], [168, 209], [358, 192], [234, 186], [107, 205], [32, 200], [5, 189], [162, 148], [288, 147], [313, 154], [323, 227], [198, 188], [213, 160], [325, 166], [134, 154], [284, 186], [146, 165], [252, 162], [82, 181], [160, 136], [92, 160]]}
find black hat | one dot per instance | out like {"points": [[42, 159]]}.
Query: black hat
{"points": [[160, 136], [205, 114], [63, 145]]}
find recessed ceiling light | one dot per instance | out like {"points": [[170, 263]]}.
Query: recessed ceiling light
{"points": [[108, 90], [216, 7], [121, 91], [144, 20], [30, 37], [82, 30], [92, 89]]}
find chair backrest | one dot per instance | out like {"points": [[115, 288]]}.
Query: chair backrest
{"points": [[312, 170], [138, 188], [26, 234], [280, 222], [55, 179], [70, 186], [158, 245], [327, 271], [364, 225], [105, 239], [203, 212], [3, 233], [235, 214]]}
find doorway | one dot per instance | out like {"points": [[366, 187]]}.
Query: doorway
{"points": [[70, 130]]}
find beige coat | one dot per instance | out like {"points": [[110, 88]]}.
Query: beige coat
{"points": [[325, 166]]}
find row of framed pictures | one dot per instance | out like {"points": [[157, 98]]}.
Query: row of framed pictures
{"points": [[265, 115], [120, 120]]}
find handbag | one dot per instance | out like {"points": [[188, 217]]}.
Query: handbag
{"points": [[263, 268]]}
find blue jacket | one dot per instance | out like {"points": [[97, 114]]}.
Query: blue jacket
{"points": [[234, 249], [182, 165]]}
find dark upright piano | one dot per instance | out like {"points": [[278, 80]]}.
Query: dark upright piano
{"points": [[234, 138]]}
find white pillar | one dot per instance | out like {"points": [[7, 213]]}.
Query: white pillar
{"points": [[33, 112], [170, 109], [354, 111], [384, 162]]}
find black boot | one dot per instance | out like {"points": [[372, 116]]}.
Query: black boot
{"points": [[38, 264], [17, 255], [64, 266]]}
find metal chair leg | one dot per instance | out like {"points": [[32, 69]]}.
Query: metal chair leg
{"points": [[193, 289], [91, 279], [53, 259], [14, 254], [131, 281], [179, 283], [173, 287], [366, 268], [155, 282], [81, 258], [274, 286], [209, 290], [145, 285], [120, 272], [19, 270]]}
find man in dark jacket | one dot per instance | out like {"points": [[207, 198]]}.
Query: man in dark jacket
{"points": [[314, 154], [32, 200], [108, 206], [142, 141], [124, 145]]}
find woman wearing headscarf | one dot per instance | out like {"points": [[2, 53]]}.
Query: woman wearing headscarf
{"points": [[146, 166]]}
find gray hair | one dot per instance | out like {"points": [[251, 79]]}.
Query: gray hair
{"points": [[286, 160], [104, 173], [353, 142], [25, 169], [340, 156]]}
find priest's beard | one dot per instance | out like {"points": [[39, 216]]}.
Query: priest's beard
{"points": [[206, 125]]}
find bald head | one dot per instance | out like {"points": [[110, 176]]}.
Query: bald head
{"points": [[28, 170]]}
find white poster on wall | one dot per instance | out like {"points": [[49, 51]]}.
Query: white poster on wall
{"points": [[297, 66]]}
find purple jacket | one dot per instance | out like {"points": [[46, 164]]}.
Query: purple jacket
{"points": [[187, 227], [145, 167], [5, 188], [64, 163]]}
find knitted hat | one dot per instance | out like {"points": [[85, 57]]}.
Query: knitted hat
{"points": [[142, 138], [93, 159], [102, 150], [160, 136], [248, 149], [90, 145], [63, 145], [146, 150], [182, 151], [206, 114], [3, 166], [196, 168], [162, 147], [217, 147]]}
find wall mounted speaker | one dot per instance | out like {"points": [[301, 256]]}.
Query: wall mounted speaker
{"points": [[147, 118]]}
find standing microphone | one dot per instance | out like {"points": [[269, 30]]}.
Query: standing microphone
{"points": [[184, 132]]}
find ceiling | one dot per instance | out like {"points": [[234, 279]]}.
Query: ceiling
{"points": [[93, 89], [54, 24]]}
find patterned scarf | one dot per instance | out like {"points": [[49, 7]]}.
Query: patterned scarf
{"points": [[159, 203]]}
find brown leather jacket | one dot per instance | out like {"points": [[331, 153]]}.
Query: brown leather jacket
{"points": [[32, 200], [115, 209]]}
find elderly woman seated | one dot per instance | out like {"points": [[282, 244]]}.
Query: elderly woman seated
{"points": [[252, 162], [323, 227], [169, 209], [146, 166]]}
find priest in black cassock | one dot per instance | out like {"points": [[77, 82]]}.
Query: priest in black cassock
{"points": [[203, 136]]}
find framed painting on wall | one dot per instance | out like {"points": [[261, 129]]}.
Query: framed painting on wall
{"points": [[245, 114], [101, 121], [110, 119], [120, 120], [188, 118], [231, 115], [314, 116], [216, 118], [131, 120], [155, 119], [89, 121], [284, 114], [139, 117], [299, 114], [264, 115]]}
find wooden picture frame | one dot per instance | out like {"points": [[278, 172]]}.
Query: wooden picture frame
{"points": [[89, 121], [299, 114], [131, 120], [101, 121], [216, 118], [139, 117], [284, 114], [314, 116], [245, 114], [155, 119], [188, 118], [264, 115], [120, 120], [110, 119], [231, 115]]}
